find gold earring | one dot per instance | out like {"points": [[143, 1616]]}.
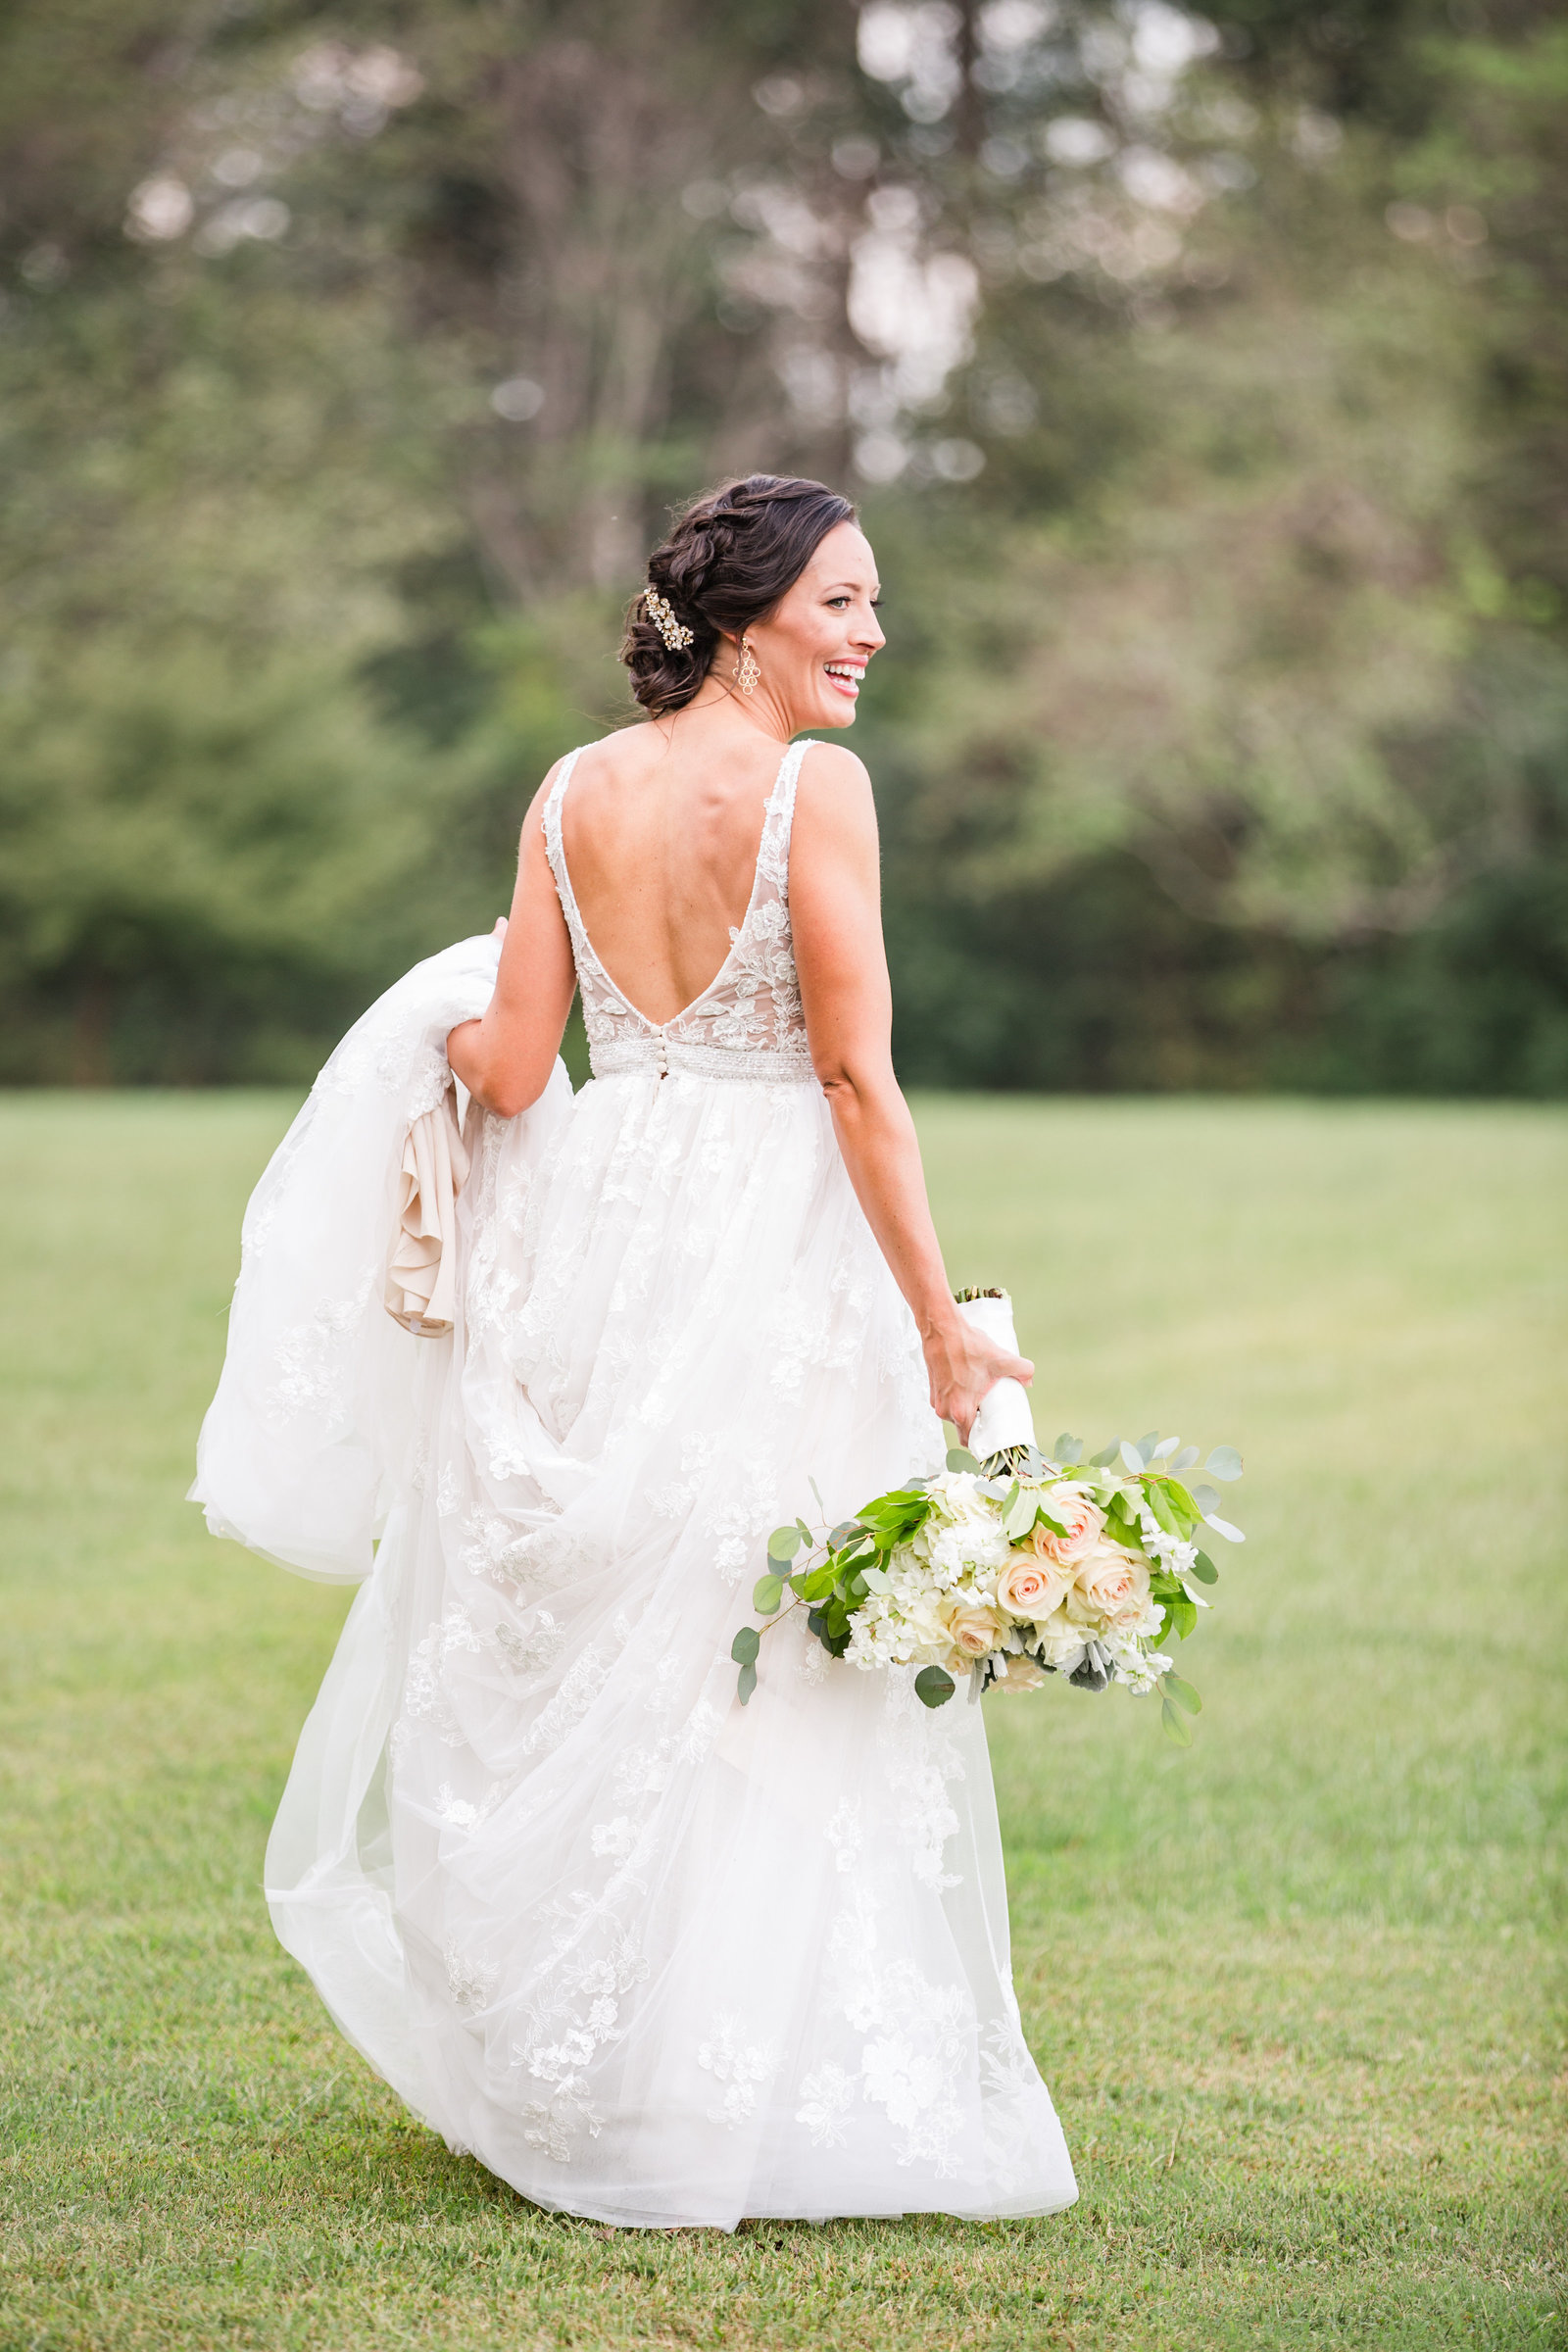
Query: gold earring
{"points": [[750, 669]]}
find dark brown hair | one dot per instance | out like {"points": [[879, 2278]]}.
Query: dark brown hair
{"points": [[731, 556]]}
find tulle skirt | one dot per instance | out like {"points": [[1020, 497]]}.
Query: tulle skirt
{"points": [[653, 1957]]}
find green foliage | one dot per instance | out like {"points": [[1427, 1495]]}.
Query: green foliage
{"points": [[1222, 738]]}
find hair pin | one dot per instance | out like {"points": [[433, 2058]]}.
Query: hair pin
{"points": [[674, 632]]}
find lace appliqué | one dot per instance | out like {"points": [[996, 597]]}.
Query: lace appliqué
{"points": [[826, 2096], [739, 2067], [314, 1360], [922, 2036], [921, 1759]]}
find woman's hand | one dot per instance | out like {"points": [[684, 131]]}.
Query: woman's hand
{"points": [[962, 1366]]}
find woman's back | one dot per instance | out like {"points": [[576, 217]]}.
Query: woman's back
{"points": [[660, 831]]}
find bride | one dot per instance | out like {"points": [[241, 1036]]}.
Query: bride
{"points": [[653, 1957]]}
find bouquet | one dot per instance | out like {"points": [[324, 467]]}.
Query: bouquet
{"points": [[1013, 1565]]}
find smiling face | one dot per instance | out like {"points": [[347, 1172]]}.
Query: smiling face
{"points": [[814, 646]]}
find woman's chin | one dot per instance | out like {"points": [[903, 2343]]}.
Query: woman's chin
{"points": [[839, 714]]}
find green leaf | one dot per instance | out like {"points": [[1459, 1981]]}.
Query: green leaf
{"points": [[1067, 1450], [1183, 1615], [1159, 1505], [1224, 1463], [819, 1585], [1146, 1446], [1022, 1516], [1205, 1498], [843, 1534], [1132, 1457], [1177, 1727], [934, 1686], [783, 1543], [1183, 1694], [744, 1648], [820, 1504], [1185, 1458], [834, 1638], [806, 1537], [961, 1459], [744, 1684], [1103, 1460], [1204, 1570], [766, 1593]]}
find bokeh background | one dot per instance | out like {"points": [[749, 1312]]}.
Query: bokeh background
{"points": [[1204, 380], [1203, 377]]}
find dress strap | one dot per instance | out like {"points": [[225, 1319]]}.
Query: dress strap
{"points": [[773, 857], [555, 850]]}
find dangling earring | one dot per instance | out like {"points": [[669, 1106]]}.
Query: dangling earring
{"points": [[750, 669]]}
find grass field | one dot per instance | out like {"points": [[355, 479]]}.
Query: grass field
{"points": [[1296, 1990]]}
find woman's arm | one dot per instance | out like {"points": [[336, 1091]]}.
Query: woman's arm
{"points": [[506, 1058], [836, 917]]}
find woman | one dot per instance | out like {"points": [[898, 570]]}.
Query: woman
{"points": [[652, 1957]]}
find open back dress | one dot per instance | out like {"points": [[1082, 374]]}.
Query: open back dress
{"points": [[653, 1957]]}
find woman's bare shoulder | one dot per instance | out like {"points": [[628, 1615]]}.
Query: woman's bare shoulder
{"points": [[624, 751], [833, 798]]}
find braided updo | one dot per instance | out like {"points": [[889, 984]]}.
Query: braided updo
{"points": [[725, 564]]}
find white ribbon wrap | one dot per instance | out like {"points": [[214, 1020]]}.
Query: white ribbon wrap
{"points": [[1004, 1419]]}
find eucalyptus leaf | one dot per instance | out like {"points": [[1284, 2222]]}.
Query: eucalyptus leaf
{"points": [[744, 1648], [1107, 1455], [1183, 1694], [1224, 1463], [1021, 1518], [1223, 1527], [844, 1530], [1068, 1451], [934, 1686], [785, 1542], [766, 1593], [1177, 1727], [744, 1684], [961, 1459], [1146, 1446], [1165, 1448], [1131, 1458], [1204, 1496], [806, 1537], [1204, 1570], [1185, 1458]]}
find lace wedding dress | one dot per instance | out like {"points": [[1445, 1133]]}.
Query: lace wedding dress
{"points": [[653, 1957]]}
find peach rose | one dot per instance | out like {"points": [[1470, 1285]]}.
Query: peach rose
{"points": [[1113, 1584], [1022, 1675], [1031, 1584], [974, 1630], [1084, 1520]]}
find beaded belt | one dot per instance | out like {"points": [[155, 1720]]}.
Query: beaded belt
{"points": [[767, 1065]]}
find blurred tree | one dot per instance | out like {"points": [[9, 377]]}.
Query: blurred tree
{"points": [[1205, 373]]}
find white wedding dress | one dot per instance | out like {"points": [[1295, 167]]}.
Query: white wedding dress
{"points": [[653, 1957]]}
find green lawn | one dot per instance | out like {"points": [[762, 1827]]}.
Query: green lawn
{"points": [[1295, 1990]]}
